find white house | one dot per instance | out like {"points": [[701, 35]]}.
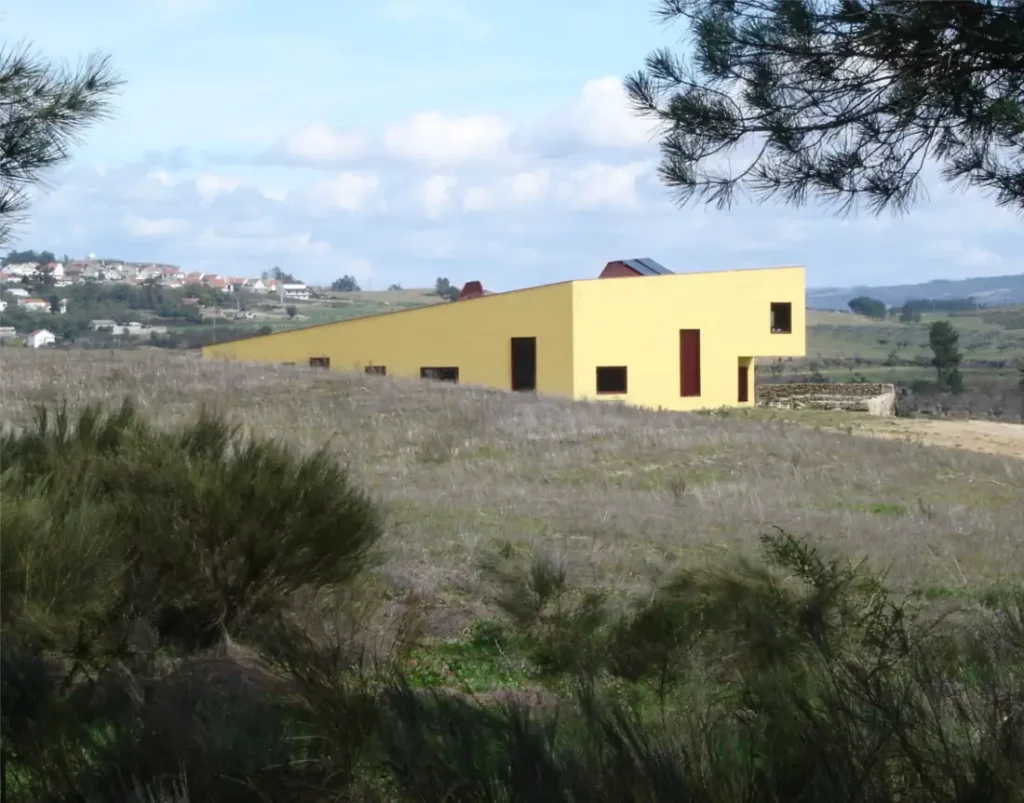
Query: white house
{"points": [[255, 286], [296, 292], [17, 292], [40, 338]]}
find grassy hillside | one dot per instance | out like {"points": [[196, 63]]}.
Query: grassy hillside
{"points": [[988, 290], [537, 600], [985, 335], [626, 495]]}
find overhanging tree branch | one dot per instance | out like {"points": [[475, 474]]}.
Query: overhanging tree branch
{"points": [[44, 109], [846, 100]]}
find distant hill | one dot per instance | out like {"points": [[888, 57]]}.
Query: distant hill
{"points": [[988, 290]]}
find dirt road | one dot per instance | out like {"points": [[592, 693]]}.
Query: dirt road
{"points": [[992, 437]]}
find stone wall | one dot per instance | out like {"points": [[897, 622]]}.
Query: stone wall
{"points": [[873, 398]]}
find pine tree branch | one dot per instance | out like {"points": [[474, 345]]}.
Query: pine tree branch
{"points": [[44, 110]]}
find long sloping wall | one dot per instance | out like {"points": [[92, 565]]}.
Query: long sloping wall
{"points": [[873, 398]]}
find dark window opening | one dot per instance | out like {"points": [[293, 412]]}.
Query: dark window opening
{"points": [[689, 362], [524, 363], [376, 370], [744, 383], [611, 379], [319, 362], [441, 374], [289, 364], [782, 318]]}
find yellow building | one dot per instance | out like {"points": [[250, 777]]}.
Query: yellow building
{"points": [[639, 334]]}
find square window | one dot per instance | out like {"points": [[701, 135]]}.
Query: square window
{"points": [[376, 370], [611, 379], [441, 374], [782, 318]]}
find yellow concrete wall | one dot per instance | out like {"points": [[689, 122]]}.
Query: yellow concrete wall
{"points": [[473, 335], [635, 321]]}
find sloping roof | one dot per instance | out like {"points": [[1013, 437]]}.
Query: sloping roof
{"points": [[646, 266]]}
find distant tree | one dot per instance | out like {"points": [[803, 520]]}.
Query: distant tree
{"points": [[843, 99], [55, 304], [393, 287], [869, 307], [282, 276], [291, 310], [445, 289], [944, 304], [44, 109], [910, 314], [346, 284], [21, 257], [943, 339], [266, 330]]}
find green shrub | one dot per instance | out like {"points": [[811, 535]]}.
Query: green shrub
{"points": [[122, 541]]}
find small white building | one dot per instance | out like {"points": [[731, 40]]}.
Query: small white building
{"points": [[40, 338], [18, 292], [296, 292]]}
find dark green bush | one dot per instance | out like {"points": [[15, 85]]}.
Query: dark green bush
{"points": [[122, 541]]}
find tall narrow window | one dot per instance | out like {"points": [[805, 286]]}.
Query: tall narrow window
{"points": [[743, 379], [441, 374], [524, 363], [782, 318], [689, 362], [319, 362], [611, 379]]}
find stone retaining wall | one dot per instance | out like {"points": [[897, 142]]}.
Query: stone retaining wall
{"points": [[873, 398]]}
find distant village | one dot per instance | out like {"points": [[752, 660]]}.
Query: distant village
{"points": [[81, 271], [16, 278]]}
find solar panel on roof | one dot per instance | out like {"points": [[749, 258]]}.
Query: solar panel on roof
{"points": [[646, 267]]}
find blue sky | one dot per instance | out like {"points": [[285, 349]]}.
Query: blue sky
{"points": [[401, 140]]}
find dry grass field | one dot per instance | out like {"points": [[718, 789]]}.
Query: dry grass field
{"points": [[624, 495]]}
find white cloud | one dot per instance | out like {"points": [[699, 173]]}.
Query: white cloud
{"points": [[210, 186], [598, 119], [478, 199], [350, 191], [155, 227], [530, 186], [598, 186], [320, 144], [437, 140], [436, 194], [521, 189], [297, 244], [602, 117]]}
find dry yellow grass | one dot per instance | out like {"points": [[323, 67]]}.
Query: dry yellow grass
{"points": [[626, 495]]}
